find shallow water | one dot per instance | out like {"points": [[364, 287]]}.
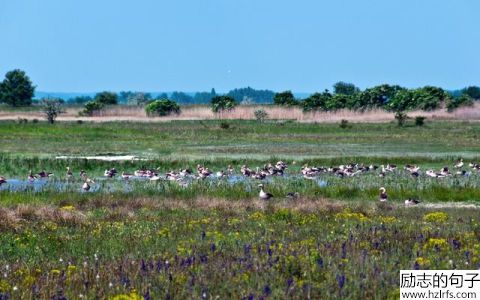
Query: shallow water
{"points": [[119, 184]]}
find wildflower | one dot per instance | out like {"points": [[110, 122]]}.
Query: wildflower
{"points": [[436, 217], [67, 207], [267, 290], [55, 272], [437, 244], [340, 280]]}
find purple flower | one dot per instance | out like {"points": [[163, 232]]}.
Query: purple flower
{"points": [[203, 235], [344, 250], [320, 262], [146, 296], [341, 280], [267, 290], [289, 282], [416, 266], [456, 244], [213, 247]]}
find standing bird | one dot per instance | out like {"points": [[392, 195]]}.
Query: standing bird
{"points": [[3, 180], [263, 195], [383, 194], [86, 185], [69, 174]]}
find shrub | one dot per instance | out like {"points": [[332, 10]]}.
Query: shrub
{"points": [[221, 103], [285, 98], [436, 217], [420, 120], [52, 108], [260, 115], [107, 98], [461, 101], [344, 124], [91, 108], [224, 125], [162, 108], [35, 121], [401, 118], [22, 121]]}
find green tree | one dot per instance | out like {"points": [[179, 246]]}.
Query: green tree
{"points": [[317, 101], [375, 97], [163, 107], [285, 98], [52, 108], [16, 89], [457, 102], [402, 100], [472, 91], [106, 98], [430, 98], [339, 101], [345, 88], [223, 103], [91, 108]]}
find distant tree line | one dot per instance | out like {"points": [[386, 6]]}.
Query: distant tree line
{"points": [[17, 90], [389, 97]]}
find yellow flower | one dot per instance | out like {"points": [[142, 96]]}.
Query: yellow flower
{"points": [[423, 261], [68, 207], [132, 296], [384, 219], [351, 215], [55, 272], [438, 217], [435, 243]]}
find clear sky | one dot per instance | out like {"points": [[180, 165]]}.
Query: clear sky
{"points": [[190, 45]]}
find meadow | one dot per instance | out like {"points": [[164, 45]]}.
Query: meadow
{"points": [[214, 238]]}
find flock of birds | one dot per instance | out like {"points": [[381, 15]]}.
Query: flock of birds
{"points": [[278, 169]]}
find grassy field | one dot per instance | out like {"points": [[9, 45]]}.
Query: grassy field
{"points": [[180, 140], [214, 238]]}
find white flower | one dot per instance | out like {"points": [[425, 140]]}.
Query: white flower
{"points": [[15, 288], [97, 277]]}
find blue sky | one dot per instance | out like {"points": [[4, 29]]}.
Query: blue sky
{"points": [[190, 45]]}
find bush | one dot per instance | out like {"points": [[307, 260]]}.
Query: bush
{"points": [[106, 98], [344, 124], [401, 118], [285, 98], [221, 103], [260, 115], [52, 108], [162, 108], [91, 108], [461, 101], [420, 120], [225, 125], [35, 121]]}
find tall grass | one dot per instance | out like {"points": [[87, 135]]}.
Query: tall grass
{"points": [[204, 112]]}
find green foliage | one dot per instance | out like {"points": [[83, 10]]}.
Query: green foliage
{"points": [[375, 97], [344, 124], [223, 103], [106, 98], [253, 95], [345, 88], [472, 91], [420, 120], [80, 100], [317, 101], [224, 125], [16, 89], [260, 115], [91, 108], [401, 118], [162, 108], [285, 98], [52, 108], [464, 100]]}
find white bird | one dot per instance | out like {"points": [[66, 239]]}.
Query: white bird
{"points": [[86, 184], [410, 202], [263, 195], [459, 163], [3, 180]]}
